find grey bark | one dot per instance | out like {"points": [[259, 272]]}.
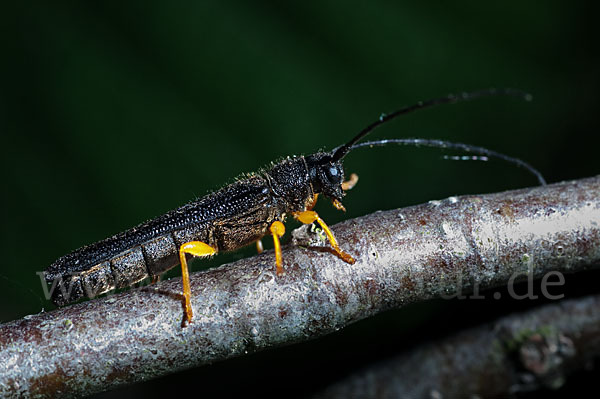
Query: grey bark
{"points": [[441, 248], [520, 353]]}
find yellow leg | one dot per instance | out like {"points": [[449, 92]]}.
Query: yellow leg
{"points": [[277, 229], [195, 248], [308, 217], [259, 246]]}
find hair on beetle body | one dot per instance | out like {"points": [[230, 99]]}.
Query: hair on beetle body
{"points": [[252, 206]]}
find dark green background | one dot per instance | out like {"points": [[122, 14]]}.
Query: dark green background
{"points": [[113, 113]]}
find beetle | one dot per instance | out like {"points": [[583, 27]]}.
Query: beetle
{"points": [[238, 214]]}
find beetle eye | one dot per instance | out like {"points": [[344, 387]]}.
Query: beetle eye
{"points": [[333, 174]]}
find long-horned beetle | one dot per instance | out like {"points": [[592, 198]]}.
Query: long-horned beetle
{"points": [[234, 216]]}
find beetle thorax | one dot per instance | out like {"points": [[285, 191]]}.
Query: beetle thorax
{"points": [[290, 183]]}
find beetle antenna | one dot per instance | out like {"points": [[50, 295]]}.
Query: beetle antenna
{"points": [[455, 146], [340, 152]]}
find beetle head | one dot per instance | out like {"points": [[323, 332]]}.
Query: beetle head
{"points": [[326, 175]]}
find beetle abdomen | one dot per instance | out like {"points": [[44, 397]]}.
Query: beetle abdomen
{"points": [[151, 248], [150, 258]]}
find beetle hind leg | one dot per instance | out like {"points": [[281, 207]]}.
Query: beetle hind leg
{"points": [[195, 248]]}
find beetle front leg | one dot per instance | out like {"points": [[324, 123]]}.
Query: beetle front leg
{"points": [[308, 217]]}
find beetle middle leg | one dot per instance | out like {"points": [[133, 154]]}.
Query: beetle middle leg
{"points": [[195, 248], [308, 217], [277, 229]]}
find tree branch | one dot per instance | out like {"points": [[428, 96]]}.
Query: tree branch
{"points": [[519, 353], [406, 255]]}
